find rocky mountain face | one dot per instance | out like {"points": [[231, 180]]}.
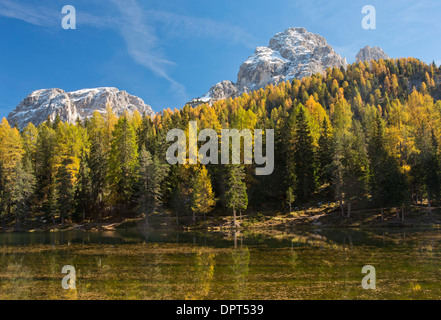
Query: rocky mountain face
{"points": [[368, 54], [292, 54], [41, 104], [220, 91]]}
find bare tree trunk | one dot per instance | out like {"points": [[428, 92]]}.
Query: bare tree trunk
{"points": [[194, 217], [429, 206], [382, 214], [17, 226], [402, 214], [234, 217], [146, 219], [342, 207], [240, 215], [398, 213], [349, 209], [177, 218]]}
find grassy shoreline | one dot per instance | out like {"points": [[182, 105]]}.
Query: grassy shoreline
{"points": [[324, 217]]}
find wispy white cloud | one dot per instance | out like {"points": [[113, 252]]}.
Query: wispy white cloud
{"points": [[142, 42], [192, 27], [37, 14], [43, 15], [137, 28]]}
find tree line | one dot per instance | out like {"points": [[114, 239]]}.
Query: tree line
{"points": [[366, 137]]}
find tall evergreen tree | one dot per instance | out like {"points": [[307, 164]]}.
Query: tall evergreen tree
{"points": [[431, 166], [65, 190], [236, 193], [389, 186], [22, 192], [123, 162], [304, 157], [56, 122], [45, 163], [356, 163], [98, 160], [325, 154], [152, 174], [83, 193], [51, 205], [285, 158], [30, 134]]}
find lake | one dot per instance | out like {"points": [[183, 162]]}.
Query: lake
{"points": [[303, 264]]}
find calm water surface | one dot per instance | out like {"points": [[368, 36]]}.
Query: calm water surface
{"points": [[306, 264]]}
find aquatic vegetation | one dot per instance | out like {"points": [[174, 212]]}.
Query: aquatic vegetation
{"points": [[311, 264]]}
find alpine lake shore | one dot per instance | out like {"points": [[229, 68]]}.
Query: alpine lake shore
{"points": [[325, 216], [307, 254]]}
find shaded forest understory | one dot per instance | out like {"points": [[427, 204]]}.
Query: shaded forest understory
{"points": [[359, 146]]}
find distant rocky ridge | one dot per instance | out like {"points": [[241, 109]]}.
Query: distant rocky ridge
{"points": [[292, 54], [41, 104], [369, 54]]}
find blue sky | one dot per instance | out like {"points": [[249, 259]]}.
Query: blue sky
{"points": [[168, 52]]}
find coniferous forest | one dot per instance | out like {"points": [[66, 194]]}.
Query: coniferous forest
{"points": [[366, 138]]}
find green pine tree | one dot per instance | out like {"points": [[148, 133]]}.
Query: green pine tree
{"points": [[123, 162], [236, 192], [83, 193], [152, 174], [22, 192], [389, 187], [355, 162], [325, 154], [65, 190], [304, 159]]}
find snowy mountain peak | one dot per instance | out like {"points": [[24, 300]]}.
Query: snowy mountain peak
{"points": [[291, 54], [44, 103]]}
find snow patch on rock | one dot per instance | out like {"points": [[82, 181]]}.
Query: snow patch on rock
{"points": [[44, 103], [292, 54]]}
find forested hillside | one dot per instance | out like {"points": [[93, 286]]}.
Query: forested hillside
{"points": [[367, 137]]}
